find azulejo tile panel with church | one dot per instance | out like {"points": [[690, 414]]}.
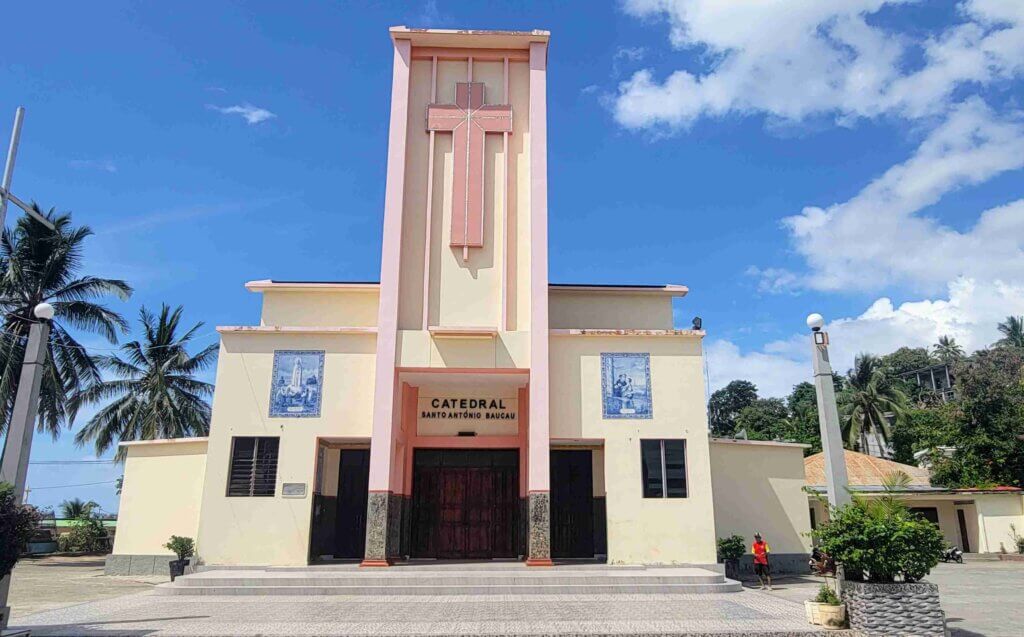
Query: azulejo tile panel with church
{"points": [[463, 407]]}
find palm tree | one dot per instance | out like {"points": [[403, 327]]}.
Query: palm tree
{"points": [[867, 402], [154, 393], [39, 265], [947, 349], [76, 508], [1012, 330]]}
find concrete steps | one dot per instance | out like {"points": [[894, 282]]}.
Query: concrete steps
{"points": [[508, 579]]}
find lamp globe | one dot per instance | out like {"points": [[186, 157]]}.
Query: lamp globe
{"points": [[815, 321]]}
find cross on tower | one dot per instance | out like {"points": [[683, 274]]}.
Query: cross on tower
{"points": [[469, 119]]}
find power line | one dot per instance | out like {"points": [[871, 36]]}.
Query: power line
{"points": [[196, 339], [68, 486], [67, 462]]}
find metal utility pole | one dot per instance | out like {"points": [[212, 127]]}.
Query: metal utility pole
{"points": [[5, 187], [836, 479]]}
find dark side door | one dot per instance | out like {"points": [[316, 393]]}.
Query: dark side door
{"points": [[350, 523], [572, 503]]}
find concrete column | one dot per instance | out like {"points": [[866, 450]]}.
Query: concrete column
{"points": [[539, 465], [381, 501]]}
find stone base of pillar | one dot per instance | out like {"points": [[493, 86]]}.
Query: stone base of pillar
{"points": [[386, 515], [539, 533], [377, 506]]}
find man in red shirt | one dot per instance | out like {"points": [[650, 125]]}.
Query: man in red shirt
{"points": [[762, 569]]}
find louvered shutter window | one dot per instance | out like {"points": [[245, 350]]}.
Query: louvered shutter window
{"points": [[663, 468], [253, 467]]}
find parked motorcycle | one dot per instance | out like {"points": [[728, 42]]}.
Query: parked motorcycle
{"points": [[953, 554], [821, 563]]}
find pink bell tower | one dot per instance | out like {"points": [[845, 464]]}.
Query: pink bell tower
{"points": [[464, 276]]}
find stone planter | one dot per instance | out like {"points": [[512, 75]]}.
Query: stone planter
{"points": [[827, 615], [732, 569], [895, 609], [177, 567]]}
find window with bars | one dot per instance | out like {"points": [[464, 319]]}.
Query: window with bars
{"points": [[663, 468], [253, 467]]}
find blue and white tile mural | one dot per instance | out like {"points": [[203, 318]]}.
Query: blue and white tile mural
{"points": [[626, 385], [297, 382]]}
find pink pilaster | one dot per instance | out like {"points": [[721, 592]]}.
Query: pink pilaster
{"points": [[385, 417], [539, 536], [539, 399]]}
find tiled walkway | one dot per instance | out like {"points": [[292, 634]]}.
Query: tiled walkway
{"points": [[744, 613]]}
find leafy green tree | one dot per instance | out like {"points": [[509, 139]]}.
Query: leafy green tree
{"points": [[155, 393], [17, 523], [39, 265], [1012, 330], [905, 359], [76, 508], [879, 539], [87, 534], [726, 404], [989, 439], [867, 401], [803, 423], [764, 419], [924, 429], [947, 350]]}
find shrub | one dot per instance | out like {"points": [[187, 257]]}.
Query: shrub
{"points": [[826, 596], [87, 535], [1018, 540], [731, 548], [880, 540], [17, 524], [181, 546]]}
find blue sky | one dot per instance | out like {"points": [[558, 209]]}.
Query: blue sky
{"points": [[859, 158]]}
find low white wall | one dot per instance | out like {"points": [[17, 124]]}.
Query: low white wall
{"points": [[758, 487], [996, 512], [161, 495]]}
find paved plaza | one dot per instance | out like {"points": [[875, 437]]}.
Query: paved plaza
{"points": [[55, 582], [981, 598], [745, 612]]}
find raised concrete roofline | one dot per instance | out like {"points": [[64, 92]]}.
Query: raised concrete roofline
{"points": [[759, 443], [470, 38], [658, 290], [162, 441], [263, 285]]}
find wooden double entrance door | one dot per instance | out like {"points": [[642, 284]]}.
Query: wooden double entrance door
{"points": [[465, 503]]}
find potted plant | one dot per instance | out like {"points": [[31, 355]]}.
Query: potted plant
{"points": [[885, 551], [826, 609], [184, 548], [730, 550]]}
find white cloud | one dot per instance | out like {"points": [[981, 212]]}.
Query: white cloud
{"points": [[880, 237], [251, 114], [106, 165], [792, 59], [626, 56], [969, 313]]}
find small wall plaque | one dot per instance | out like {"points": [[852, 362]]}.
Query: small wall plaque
{"points": [[293, 490]]}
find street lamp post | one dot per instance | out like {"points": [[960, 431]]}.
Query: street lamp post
{"points": [[836, 479], [14, 468]]}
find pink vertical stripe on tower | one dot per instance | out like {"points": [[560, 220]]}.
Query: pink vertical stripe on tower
{"points": [[384, 390], [539, 399]]}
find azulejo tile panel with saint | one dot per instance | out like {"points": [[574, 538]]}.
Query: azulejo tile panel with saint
{"points": [[626, 385], [296, 388]]}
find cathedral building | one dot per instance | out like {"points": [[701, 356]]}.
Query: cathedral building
{"points": [[463, 406]]}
